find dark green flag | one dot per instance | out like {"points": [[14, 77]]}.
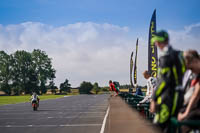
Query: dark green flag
{"points": [[131, 70], [152, 49], [135, 65]]}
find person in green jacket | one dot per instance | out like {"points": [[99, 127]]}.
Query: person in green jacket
{"points": [[166, 97]]}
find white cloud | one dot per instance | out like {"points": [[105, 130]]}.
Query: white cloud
{"points": [[82, 51], [188, 38], [89, 51]]}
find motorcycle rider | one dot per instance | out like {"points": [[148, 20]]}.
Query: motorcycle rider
{"points": [[36, 98]]}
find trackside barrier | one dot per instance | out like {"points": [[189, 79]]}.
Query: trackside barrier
{"points": [[145, 107], [133, 101], [176, 125]]}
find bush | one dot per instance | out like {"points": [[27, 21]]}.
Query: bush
{"points": [[96, 88], [105, 89], [85, 87]]}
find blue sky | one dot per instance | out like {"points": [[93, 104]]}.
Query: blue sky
{"points": [[92, 40], [133, 13]]}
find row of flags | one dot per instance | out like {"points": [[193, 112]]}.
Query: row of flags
{"points": [[152, 55]]}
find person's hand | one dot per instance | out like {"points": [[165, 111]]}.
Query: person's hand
{"points": [[152, 107], [181, 116]]}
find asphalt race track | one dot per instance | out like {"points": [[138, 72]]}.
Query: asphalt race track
{"points": [[73, 114]]}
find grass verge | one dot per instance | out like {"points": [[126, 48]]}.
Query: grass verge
{"points": [[20, 99]]}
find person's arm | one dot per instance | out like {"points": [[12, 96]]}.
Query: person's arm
{"points": [[152, 107], [110, 87], [152, 102], [152, 87], [148, 88], [38, 97], [137, 91], [31, 98], [144, 100], [193, 101], [114, 88]]}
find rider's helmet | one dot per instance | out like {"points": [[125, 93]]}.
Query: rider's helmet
{"points": [[34, 94], [160, 36]]}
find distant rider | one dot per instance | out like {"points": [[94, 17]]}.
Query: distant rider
{"points": [[36, 98]]}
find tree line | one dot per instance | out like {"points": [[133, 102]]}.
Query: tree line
{"points": [[87, 87], [25, 72]]}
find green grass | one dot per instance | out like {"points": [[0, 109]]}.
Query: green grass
{"points": [[19, 99]]}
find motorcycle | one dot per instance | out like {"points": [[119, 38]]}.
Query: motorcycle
{"points": [[34, 105]]}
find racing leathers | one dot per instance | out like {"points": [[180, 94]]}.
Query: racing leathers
{"points": [[167, 95]]}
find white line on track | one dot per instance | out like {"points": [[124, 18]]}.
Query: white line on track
{"points": [[38, 113], [44, 109], [51, 109], [104, 121], [81, 117], [67, 125]]}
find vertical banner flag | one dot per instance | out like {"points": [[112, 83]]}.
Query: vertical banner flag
{"points": [[135, 66], [131, 69], [152, 49]]}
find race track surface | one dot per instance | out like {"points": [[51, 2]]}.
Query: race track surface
{"points": [[73, 114]]}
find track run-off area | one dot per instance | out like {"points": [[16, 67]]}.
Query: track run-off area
{"points": [[72, 114]]}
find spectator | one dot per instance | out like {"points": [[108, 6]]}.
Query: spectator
{"points": [[117, 85], [138, 91], [171, 69], [113, 90], [151, 84], [191, 106]]}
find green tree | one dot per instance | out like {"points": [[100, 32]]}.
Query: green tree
{"points": [[105, 89], [43, 68], [52, 87], [96, 88], [33, 82], [65, 86], [5, 73], [85, 87], [22, 70], [25, 72]]}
